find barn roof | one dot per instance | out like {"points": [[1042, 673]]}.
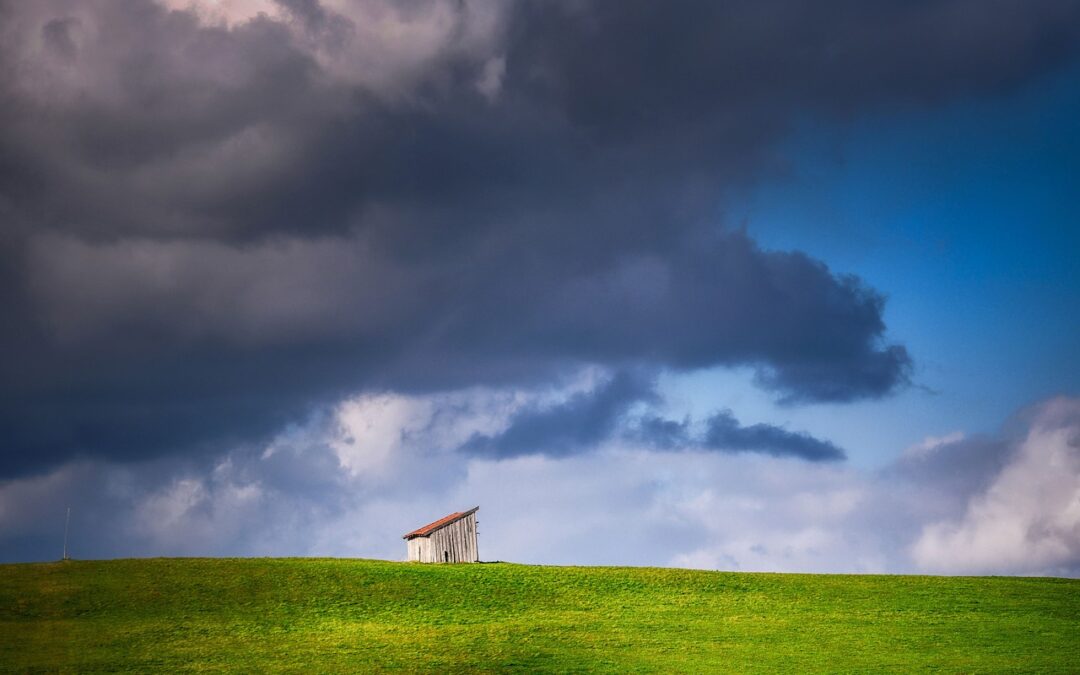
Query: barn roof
{"points": [[440, 523]]}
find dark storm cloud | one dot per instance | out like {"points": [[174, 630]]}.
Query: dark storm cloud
{"points": [[662, 433], [723, 432], [209, 229], [605, 413], [628, 68], [586, 419]]}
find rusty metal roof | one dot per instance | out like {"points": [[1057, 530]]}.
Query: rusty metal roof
{"points": [[440, 523]]}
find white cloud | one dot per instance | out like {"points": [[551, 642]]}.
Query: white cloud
{"points": [[225, 11], [931, 444], [1028, 520], [378, 431]]}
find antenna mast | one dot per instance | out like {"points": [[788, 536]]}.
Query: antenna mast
{"points": [[67, 522]]}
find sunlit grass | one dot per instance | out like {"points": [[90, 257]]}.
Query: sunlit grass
{"points": [[348, 615]]}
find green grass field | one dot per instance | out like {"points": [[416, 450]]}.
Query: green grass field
{"points": [[319, 615]]}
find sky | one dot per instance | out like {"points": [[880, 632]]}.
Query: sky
{"points": [[772, 286]]}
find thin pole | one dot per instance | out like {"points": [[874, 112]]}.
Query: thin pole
{"points": [[67, 522]]}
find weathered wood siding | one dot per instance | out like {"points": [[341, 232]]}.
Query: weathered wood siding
{"points": [[455, 542]]}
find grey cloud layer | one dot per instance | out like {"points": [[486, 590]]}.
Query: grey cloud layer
{"points": [[997, 505], [208, 230]]}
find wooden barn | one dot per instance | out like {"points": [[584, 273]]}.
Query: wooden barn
{"points": [[448, 540]]}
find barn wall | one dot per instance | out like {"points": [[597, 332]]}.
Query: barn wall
{"points": [[419, 549]]}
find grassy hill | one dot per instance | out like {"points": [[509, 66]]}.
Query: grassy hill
{"points": [[348, 615]]}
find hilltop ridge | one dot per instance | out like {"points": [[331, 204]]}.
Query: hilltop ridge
{"points": [[341, 615]]}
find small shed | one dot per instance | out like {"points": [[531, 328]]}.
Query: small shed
{"points": [[448, 540]]}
